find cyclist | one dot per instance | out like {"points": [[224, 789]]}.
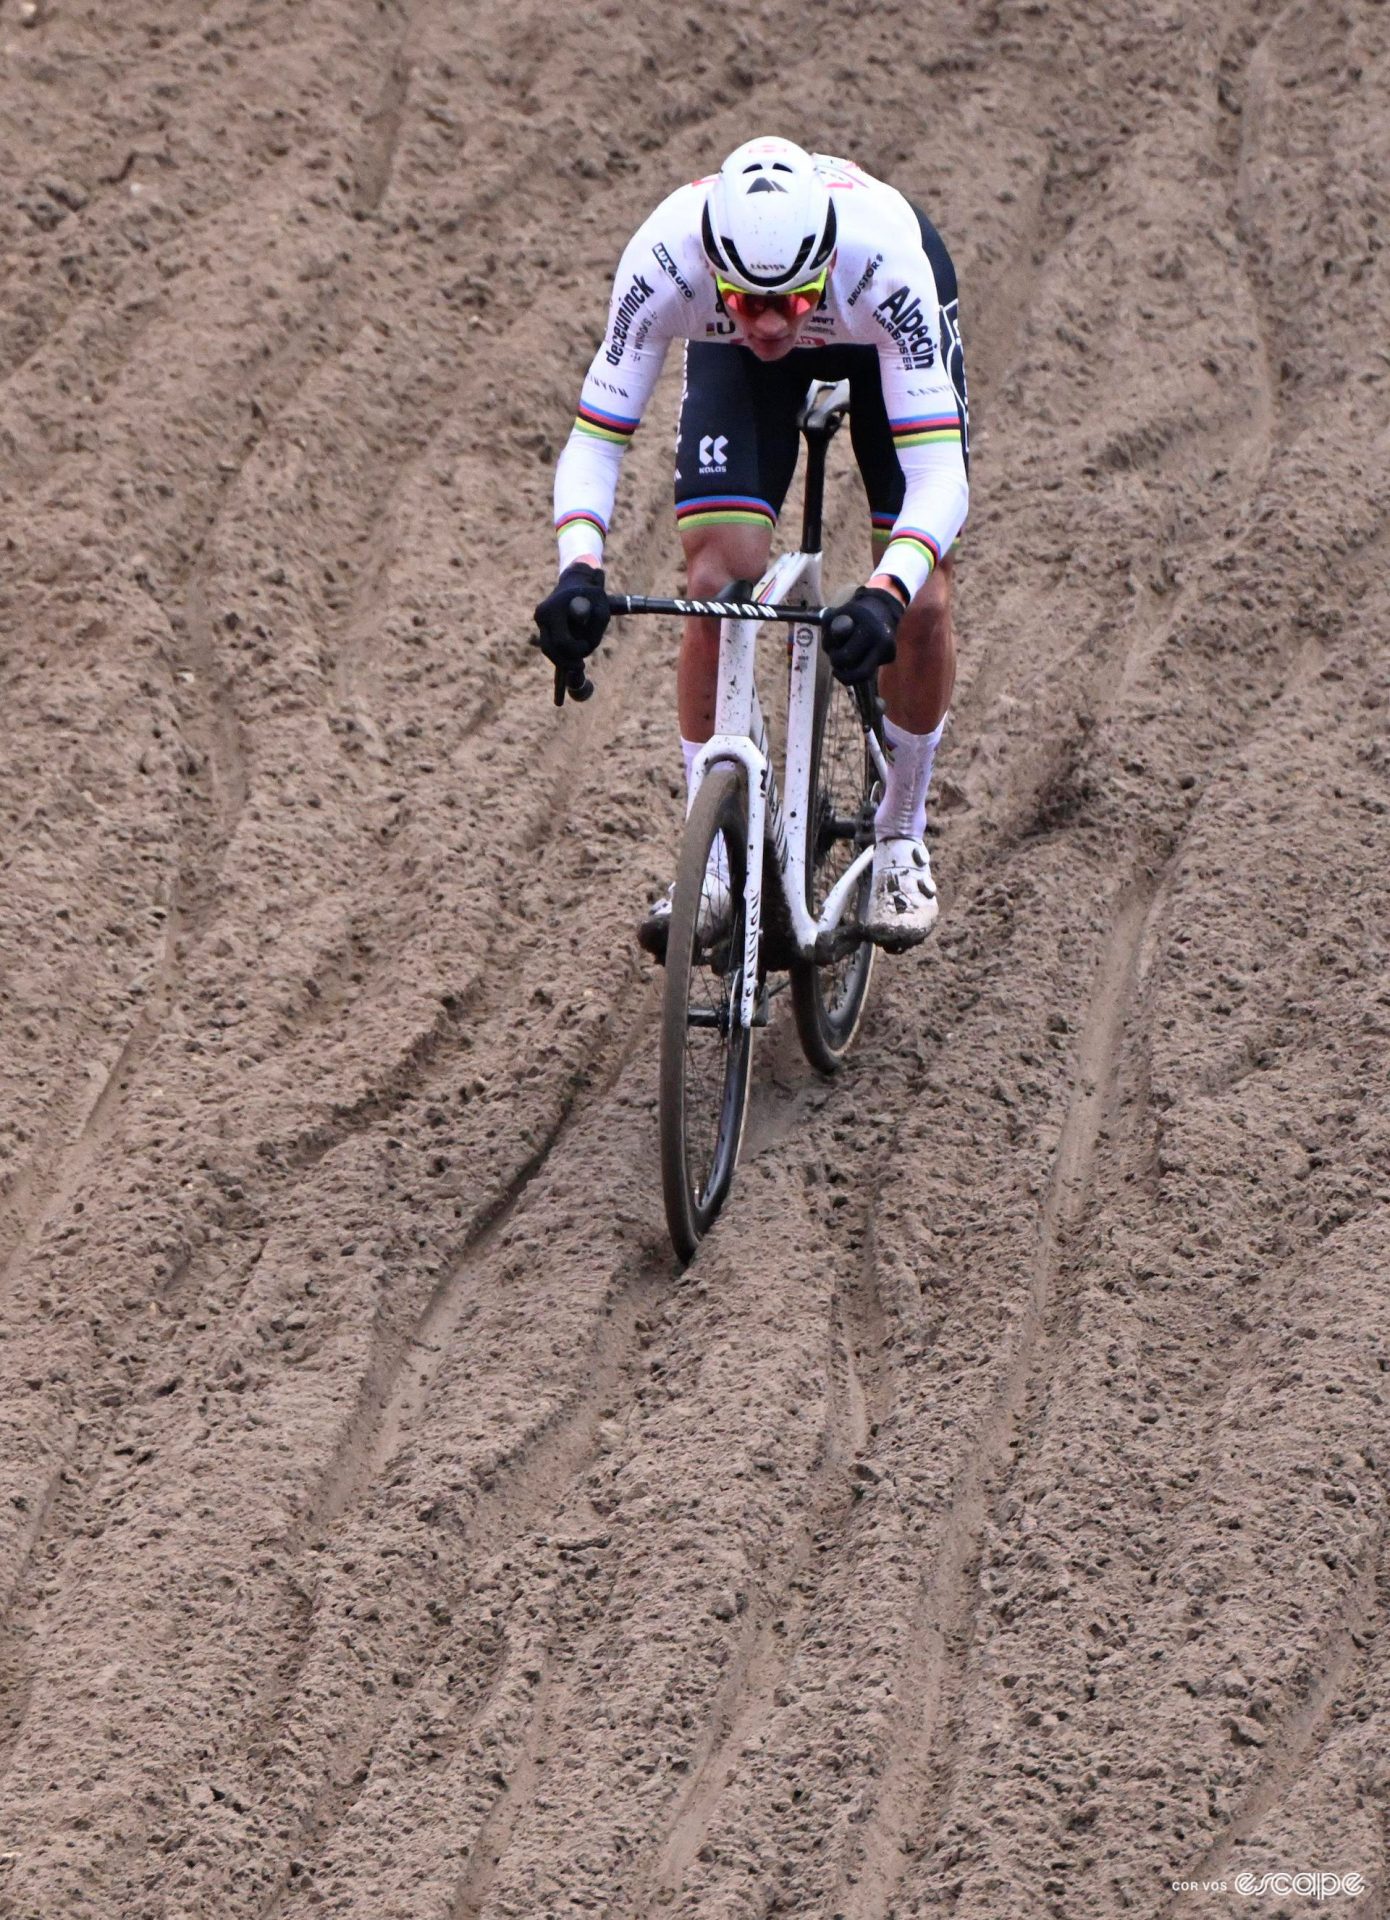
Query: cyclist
{"points": [[783, 268]]}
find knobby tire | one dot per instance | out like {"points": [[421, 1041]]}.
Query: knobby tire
{"points": [[704, 1068], [829, 999]]}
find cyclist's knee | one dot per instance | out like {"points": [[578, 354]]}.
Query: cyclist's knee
{"points": [[718, 555]]}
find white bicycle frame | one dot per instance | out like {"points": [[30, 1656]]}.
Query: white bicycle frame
{"points": [[740, 736]]}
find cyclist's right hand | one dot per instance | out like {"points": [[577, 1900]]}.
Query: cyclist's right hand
{"points": [[571, 619], [862, 637]]}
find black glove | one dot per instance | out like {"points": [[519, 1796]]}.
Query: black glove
{"points": [[862, 636], [565, 635]]}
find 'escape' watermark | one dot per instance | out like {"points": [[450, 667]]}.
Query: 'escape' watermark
{"points": [[1307, 1886]]}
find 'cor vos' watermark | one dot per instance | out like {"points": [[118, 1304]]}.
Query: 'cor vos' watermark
{"points": [[1268, 1886]]}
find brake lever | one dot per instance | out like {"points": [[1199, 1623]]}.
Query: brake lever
{"points": [[574, 682]]}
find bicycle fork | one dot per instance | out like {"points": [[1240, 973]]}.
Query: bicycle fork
{"points": [[755, 768]]}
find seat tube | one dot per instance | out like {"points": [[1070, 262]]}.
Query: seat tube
{"points": [[801, 721], [738, 640], [813, 498]]}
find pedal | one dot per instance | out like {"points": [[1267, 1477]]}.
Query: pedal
{"points": [[839, 943], [893, 941]]}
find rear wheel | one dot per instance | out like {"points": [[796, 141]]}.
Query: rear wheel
{"points": [[706, 1054], [829, 998]]}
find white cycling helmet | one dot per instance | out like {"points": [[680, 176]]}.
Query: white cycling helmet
{"points": [[769, 222]]}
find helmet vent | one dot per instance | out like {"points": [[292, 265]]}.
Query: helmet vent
{"points": [[766, 186]]}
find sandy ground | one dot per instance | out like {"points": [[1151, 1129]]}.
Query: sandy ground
{"points": [[992, 1521]]}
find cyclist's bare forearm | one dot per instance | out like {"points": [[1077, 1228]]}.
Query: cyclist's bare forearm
{"points": [[917, 687]]}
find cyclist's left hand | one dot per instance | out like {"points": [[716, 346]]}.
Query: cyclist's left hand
{"points": [[566, 635], [862, 637]]}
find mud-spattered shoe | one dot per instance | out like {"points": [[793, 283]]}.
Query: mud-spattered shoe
{"points": [[716, 911], [903, 905]]}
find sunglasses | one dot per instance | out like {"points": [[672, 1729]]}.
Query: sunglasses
{"points": [[795, 304]]}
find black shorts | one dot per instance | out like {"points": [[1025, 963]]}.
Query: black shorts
{"points": [[737, 444]]}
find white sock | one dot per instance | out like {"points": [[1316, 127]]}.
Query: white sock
{"points": [[902, 812], [718, 867]]}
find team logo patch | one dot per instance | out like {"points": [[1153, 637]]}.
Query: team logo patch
{"points": [[902, 319], [714, 450], [862, 282], [635, 298], [672, 271]]}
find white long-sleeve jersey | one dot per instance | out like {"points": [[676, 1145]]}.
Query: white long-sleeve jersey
{"points": [[880, 292]]}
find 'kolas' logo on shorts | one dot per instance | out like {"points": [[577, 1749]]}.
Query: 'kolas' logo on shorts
{"points": [[714, 453], [903, 320], [636, 296]]}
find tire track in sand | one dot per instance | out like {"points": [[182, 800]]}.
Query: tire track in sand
{"points": [[41, 1193], [920, 1771], [217, 755], [1293, 1745], [397, 1388], [522, 1486], [931, 1675], [519, 1789], [519, 1495], [859, 1399]]}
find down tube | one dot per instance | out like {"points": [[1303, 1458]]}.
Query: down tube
{"points": [[757, 770]]}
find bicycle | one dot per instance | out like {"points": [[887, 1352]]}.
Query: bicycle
{"points": [[818, 845]]}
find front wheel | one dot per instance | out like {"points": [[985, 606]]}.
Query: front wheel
{"points": [[706, 1051], [828, 999]]}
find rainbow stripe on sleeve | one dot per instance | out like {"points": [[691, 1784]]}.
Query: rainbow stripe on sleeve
{"points": [[582, 514], [604, 426], [923, 542], [927, 430]]}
